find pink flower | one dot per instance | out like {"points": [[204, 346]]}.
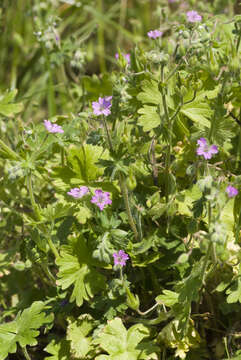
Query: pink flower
{"points": [[78, 192], [205, 150], [231, 191], [101, 199], [102, 106], [120, 258], [153, 34], [52, 128], [126, 56], [193, 16]]}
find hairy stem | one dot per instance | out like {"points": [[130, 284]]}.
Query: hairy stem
{"points": [[107, 133], [32, 198], [169, 145], [169, 123], [25, 353], [124, 192], [52, 247], [147, 311]]}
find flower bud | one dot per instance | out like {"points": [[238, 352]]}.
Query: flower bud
{"points": [[131, 182]]}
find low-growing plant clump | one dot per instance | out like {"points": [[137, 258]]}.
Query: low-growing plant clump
{"points": [[120, 143]]}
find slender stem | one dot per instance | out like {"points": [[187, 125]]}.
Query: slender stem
{"points": [[226, 346], [50, 280], [107, 133], [210, 249], [62, 156], [50, 242], [238, 43], [161, 317], [121, 275], [238, 152], [52, 247], [153, 162], [169, 125], [213, 248], [124, 192], [4, 304], [25, 353], [147, 311], [67, 84], [32, 198]]}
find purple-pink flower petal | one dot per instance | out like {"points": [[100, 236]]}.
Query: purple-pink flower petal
{"points": [[126, 56], [213, 149], [153, 34], [78, 193], [205, 150], [202, 142], [102, 106], [101, 199], [231, 191], [193, 16], [53, 128], [120, 258]]}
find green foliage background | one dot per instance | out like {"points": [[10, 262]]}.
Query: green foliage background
{"points": [[60, 295]]}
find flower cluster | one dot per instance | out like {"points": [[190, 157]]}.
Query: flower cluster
{"points": [[102, 106], [120, 258], [53, 128], [193, 16], [154, 34], [205, 150], [101, 198]]}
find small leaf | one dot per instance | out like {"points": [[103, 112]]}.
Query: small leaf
{"points": [[77, 332], [149, 118], [199, 112], [122, 344], [83, 214], [75, 269], [144, 245], [150, 93], [59, 350], [83, 160], [168, 298], [234, 293], [24, 329]]}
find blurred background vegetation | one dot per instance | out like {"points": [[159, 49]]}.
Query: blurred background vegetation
{"points": [[51, 48]]}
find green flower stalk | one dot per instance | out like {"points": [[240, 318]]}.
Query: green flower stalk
{"points": [[124, 191]]}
